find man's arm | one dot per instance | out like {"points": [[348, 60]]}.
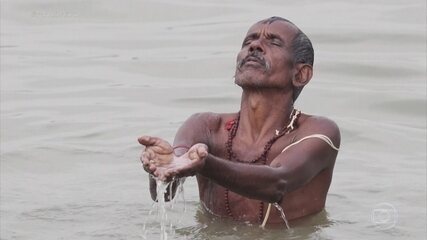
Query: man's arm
{"points": [[287, 172], [196, 129]]}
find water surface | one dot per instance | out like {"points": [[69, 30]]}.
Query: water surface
{"points": [[81, 80]]}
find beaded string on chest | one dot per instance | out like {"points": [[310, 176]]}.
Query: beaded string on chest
{"points": [[232, 127]]}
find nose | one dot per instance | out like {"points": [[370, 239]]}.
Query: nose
{"points": [[256, 45]]}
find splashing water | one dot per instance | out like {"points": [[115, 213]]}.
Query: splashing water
{"points": [[161, 190], [162, 207], [282, 214]]}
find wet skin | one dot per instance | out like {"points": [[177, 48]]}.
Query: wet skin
{"points": [[297, 179]]}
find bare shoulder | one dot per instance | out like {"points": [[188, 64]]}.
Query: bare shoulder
{"points": [[209, 120], [310, 124], [197, 129]]}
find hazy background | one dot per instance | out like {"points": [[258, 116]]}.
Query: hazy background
{"points": [[81, 80]]}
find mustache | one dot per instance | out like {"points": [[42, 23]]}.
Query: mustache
{"points": [[254, 56]]}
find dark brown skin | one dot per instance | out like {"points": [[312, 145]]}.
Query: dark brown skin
{"points": [[297, 179]]}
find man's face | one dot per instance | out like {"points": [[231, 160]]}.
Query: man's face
{"points": [[265, 60]]}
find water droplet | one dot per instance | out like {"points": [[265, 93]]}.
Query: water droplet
{"points": [[282, 214]]}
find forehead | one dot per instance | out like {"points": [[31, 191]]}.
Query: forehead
{"points": [[281, 28]]}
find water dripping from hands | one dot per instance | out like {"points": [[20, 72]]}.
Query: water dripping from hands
{"points": [[282, 214], [163, 207]]}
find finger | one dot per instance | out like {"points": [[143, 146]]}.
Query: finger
{"points": [[202, 151], [144, 157], [198, 151], [160, 174], [150, 141], [159, 145], [147, 158], [148, 165], [192, 154], [153, 141], [149, 168], [162, 146], [146, 140], [152, 168]]}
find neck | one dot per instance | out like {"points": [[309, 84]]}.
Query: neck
{"points": [[264, 111]]}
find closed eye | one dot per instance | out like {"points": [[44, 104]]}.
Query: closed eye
{"points": [[275, 39], [249, 39], [276, 42], [246, 42]]}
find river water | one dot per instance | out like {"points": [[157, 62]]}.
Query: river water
{"points": [[81, 80]]}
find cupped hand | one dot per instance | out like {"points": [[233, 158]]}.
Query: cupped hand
{"points": [[158, 159], [157, 153], [186, 165]]}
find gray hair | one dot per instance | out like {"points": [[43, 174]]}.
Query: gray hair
{"points": [[302, 49]]}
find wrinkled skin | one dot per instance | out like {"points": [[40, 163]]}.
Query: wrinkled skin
{"points": [[159, 159], [298, 179]]}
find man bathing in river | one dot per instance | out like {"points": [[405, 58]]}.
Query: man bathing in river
{"points": [[268, 152]]}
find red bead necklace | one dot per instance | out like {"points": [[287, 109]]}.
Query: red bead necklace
{"points": [[232, 127]]}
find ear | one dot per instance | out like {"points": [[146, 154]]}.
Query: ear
{"points": [[303, 74]]}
